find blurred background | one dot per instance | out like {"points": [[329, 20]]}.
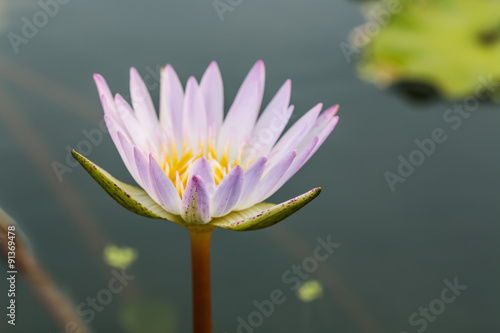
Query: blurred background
{"points": [[410, 221]]}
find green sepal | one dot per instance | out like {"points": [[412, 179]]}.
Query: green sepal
{"points": [[135, 199], [131, 197], [264, 214]]}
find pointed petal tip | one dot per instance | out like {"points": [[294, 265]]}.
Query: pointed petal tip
{"points": [[259, 66], [133, 71], [331, 113], [213, 65], [192, 80], [98, 78], [334, 109], [197, 180]]}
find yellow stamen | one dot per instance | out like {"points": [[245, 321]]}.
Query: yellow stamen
{"points": [[176, 167]]}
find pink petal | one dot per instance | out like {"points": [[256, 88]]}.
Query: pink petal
{"points": [[113, 132], [171, 103], [195, 116], [296, 133], [142, 103], [108, 105], [271, 123], [228, 192], [302, 157], [104, 92], [132, 129], [143, 172], [195, 202], [251, 178], [126, 150], [240, 119], [270, 179], [323, 126], [201, 168], [213, 96], [164, 189]]}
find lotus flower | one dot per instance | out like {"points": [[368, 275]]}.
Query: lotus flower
{"points": [[196, 168]]}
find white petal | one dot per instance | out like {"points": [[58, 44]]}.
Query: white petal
{"points": [[251, 178], [270, 124], [201, 167], [128, 157], [240, 119], [105, 96], [295, 134], [195, 116], [302, 157], [114, 133], [227, 193], [167, 194], [213, 95], [132, 129], [109, 106], [142, 103], [142, 166], [270, 179], [171, 103], [323, 126]]}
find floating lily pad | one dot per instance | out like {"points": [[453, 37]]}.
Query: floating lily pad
{"points": [[453, 46], [119, 257]]}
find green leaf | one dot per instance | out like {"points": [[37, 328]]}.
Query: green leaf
{"points": [[264, 214], [131, 197], [448, 44]]}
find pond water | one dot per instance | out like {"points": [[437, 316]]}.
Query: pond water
{"points": [[400, 242]]}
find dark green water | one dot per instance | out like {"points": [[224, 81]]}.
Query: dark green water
{"points": [[397, 247]]}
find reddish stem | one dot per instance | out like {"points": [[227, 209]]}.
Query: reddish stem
{"points": [[200, 266]]}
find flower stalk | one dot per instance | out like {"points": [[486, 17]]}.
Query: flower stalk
{"points": [[200, 267]]}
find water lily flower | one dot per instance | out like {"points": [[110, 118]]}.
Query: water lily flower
{"points": [[197, 169], [204, 171]]}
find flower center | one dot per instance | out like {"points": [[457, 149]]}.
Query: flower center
{"points": [[177, 169]]}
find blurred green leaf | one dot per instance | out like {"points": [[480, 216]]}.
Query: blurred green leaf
{"points": [[448, 44], [119, 257], [149, 316]]}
